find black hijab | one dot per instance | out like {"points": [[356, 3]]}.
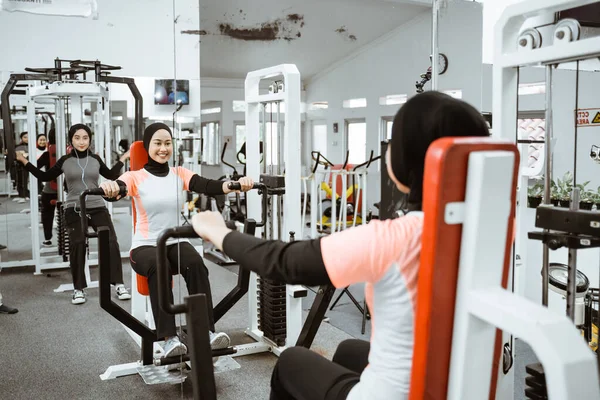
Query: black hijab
{"points": [[154, 167], [423, 119]]}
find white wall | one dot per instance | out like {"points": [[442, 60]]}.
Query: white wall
{"points": [[392, 65], [135, 34]]}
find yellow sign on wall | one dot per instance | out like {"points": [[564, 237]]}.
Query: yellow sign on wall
{"points": [[588, 117]]}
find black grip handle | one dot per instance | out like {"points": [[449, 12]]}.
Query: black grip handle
{"points": [[263, 191], [84, 220], [164, 301], [238, 186]]}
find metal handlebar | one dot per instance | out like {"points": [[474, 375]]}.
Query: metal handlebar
{"points": [[262, 189], [84, 220]]}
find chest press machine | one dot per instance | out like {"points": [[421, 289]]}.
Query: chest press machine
{"points": [[462, 300]]}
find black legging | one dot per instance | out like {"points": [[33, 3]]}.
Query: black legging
{"points": [[302, 374], [195, 273], [48, 213], [77, 249], [22, 179]]}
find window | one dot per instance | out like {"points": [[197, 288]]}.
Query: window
{"points": [[532, 88], [532, 129], [356, 138], [272, 108], [271, 148], [319, 138], [239, 106], [387, 123], [318, 105], [393, 99], [215, 110], [210, 143], [355, 103], [240, 135]]}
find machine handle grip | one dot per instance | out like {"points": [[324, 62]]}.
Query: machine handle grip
{"points": [[238, 186], [84, 220], [164, 301], [263, 191]]}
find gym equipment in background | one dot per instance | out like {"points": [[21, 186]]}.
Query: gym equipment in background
{"points": [[279, 171], [546, 37], [66, 87]]}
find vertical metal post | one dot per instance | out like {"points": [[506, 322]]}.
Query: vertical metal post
{"points": [[547, 178], [61, 143], [263, 107], [572, 268], [279, 137], [203, 377], [434, 44]]}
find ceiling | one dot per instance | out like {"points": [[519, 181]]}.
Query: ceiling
{"points": [[238, 36]]}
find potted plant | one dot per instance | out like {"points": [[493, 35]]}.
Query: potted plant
{"points": [[534, 195], [565, 187], [586, 197], [597, 198], [554, 193]]}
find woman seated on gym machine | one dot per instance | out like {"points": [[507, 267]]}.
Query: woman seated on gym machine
{"points": [[383, 254], [82, 170], [155, 190]]}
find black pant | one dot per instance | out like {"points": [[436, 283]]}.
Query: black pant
{"points": [[302, 374], [22, 178], [191, 266], [77, 245], [48, 213]]}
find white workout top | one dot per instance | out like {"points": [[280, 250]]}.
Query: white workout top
{"points": [[385, 255], [158, 202]]}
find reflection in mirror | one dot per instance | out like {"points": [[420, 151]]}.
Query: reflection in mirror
{"points": [[211, 132]]}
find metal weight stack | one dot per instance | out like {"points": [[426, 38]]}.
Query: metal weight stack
{"points": [[63, 238], [272, 294]]}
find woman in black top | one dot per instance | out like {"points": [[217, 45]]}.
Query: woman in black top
{"points": [[82, 170]]}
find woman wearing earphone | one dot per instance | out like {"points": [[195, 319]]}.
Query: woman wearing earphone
{"points": [[82, 171]]}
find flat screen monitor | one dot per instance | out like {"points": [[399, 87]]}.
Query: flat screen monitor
{"points": [[170, 91]]}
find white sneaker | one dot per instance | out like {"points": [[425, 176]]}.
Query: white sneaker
{"points": [[122, 292], [173, 347], [219, 340], [46, 243], [21, 200], [78, 297]]}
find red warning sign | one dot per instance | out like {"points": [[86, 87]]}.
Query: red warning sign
{"points": [[588, 117]]}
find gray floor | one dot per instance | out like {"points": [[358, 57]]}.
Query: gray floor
{"points": [[54, 350]]}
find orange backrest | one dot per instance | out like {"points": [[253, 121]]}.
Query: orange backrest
{"points": [[138, 157], [445, 181]]}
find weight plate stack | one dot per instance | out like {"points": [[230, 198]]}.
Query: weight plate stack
{"points": [[272, 312], [63, 237], [535, 382]]}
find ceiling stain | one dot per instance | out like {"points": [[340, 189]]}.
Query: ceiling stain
{"points": [[265, 32], [287, 28], [200, 32], [343, 31]]}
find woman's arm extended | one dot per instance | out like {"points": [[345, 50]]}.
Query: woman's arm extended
{"points": [[44, 176], [297, 262]]}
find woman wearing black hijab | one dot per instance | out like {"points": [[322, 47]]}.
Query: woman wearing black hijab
{"points": [[384, 255], [82, 171], [157, 193]]}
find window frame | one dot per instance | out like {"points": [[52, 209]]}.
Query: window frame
{"points": [[347, 123]]}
